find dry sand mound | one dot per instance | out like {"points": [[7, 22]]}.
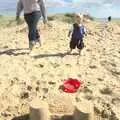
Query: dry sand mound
{"points": [[23, 77]]}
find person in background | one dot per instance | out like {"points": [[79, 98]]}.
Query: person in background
{"points": [[109, 18], [77, 33], [33, 10]]}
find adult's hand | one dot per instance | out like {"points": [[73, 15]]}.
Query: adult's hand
{"points": [[18, 20], [45, 23]]}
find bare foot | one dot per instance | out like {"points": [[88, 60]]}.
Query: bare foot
{"points": [[37, 45], [31, 45], [69, 52]]}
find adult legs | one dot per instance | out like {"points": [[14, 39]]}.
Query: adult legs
{"points": [[38, 37], [32, 21]]}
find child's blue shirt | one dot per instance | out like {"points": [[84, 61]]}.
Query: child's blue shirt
{"points": [[81, 27]]}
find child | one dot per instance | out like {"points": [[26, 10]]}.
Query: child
{"points": [[78, 31]]}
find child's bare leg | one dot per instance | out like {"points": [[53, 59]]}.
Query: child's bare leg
{"points": [[69, 52], [79, 51], [78, 58]]}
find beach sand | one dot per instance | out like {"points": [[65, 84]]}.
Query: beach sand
{"points": [[41, 73]]}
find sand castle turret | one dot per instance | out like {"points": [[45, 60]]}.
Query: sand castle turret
{"points": [[63, 110]]}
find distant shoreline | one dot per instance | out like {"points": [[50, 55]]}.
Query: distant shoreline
{"points": [[6, 18], [13, 14]]}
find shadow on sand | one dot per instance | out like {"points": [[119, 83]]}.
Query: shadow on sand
{"points": [[22, 51], [14, 52], [53, 55], [24, 117], [54, 117]]}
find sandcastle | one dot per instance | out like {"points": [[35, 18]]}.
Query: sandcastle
{"points": [[60, 108]]}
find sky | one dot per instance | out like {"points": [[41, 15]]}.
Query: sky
{"points": [[96, 8]]}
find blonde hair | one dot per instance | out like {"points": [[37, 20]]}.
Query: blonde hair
{"points": [[80, 16]]}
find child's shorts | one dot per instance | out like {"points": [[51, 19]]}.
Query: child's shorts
{"points": [[76, 43]]}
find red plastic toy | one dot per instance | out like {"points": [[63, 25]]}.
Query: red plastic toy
{"points": [[71, 85]]}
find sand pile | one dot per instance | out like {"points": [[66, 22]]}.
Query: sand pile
{"points": [[43, 73], [60, 104]]}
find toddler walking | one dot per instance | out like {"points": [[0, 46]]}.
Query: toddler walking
{"points": [[77, 33]]}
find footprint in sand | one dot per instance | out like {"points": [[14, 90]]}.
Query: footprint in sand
{"points": [[24, 95], [100, 79], [79, 75], [55, 65], [88, 50], [116, 101], [6, 46], [104, 111], [40, 65], [88, 93], [37, 89], [105, 114], [51, 83], [88, 96], [106, 91], [29, 88], [113, 64], [45, 90], [68, 65], [115, 72], [15, 80], [93, 66], [38, 82], [108, 114]]}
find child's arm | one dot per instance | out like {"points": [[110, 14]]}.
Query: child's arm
{"points": [[85, 31], [70, 31]]}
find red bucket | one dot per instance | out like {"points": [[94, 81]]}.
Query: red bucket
{"points": [[71, 85]]}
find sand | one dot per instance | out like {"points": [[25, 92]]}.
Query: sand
{"points": [[24, 76]]}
